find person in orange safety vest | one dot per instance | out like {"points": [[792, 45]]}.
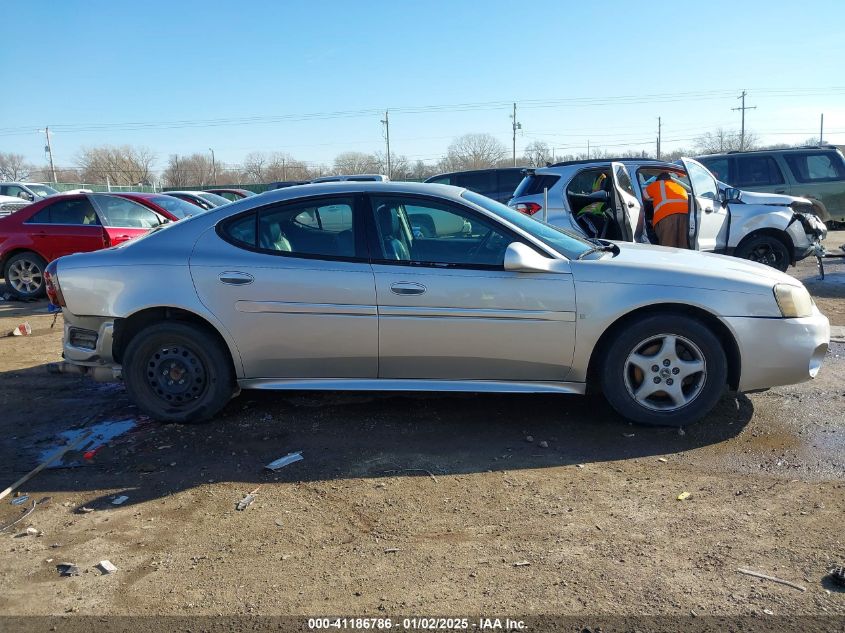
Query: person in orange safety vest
{"points": [[671, 210]]}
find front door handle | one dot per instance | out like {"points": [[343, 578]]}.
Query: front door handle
{"points": [[780, 190], [407, 288], [235, 278], [708, 210]]}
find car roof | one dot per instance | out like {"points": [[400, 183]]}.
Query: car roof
{"points": [[803, 148], [351, 187], [475, 171], [604, 161]]}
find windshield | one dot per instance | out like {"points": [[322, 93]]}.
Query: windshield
{"points": [[176, 206], [564, 242], [213, 198], [42, 190]]}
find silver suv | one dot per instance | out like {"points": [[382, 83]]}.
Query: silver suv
{"points": [[776, 230]]}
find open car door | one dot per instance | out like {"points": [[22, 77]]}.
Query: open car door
{"points": [[626, 206], [708, 218]]}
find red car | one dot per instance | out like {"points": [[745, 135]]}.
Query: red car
{"points": [[65, 224], [169, 206]]}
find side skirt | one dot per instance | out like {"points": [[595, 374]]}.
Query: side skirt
{"points": [[400, 384]]}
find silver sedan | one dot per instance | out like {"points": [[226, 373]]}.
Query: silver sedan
{"points": [[421, 287]]}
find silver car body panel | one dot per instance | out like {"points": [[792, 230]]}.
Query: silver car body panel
{"points": [[317, 324]]}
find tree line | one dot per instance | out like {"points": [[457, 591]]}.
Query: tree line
{"points": [[128, 165]]}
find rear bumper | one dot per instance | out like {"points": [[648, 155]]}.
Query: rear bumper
{"points": [[98, 339], [777, 352]]}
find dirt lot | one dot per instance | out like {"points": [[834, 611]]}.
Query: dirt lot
{"points": [[425, 504]]}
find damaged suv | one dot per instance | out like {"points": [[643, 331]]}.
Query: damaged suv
{"points": [[776, 230]]}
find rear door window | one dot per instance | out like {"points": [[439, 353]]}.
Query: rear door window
{"points": [[78, 211], [323, 228], [757, 171], [816, 166], [534, 184]]}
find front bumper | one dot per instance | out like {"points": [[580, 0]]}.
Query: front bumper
{"points": [[777, 352], [807, 233]]}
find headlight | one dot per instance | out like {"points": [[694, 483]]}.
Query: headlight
{"points": [[793, 301]]}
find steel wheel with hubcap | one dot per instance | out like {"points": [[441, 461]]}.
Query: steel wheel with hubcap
{"points": [[24, 275], [667, 369]]}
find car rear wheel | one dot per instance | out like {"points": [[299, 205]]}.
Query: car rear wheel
{"points": [[667, 369], [24, 275], [178, 372], [765, 249]]}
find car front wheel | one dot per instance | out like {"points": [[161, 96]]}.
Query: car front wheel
{"points": [[666, 369], [24, 275], [178, 372], [765, 249]]}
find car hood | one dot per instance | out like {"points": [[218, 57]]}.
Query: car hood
{"points": [[754, 197], [658, 265]]}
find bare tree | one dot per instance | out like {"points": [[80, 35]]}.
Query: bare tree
{"points": [[474, 151], [356, 163], [261, 167], [188, 171], [537, 154], [14, 167], [420, 171], [723, 140], [119, 165]]}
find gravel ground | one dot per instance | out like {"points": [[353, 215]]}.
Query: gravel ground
{"points": [[426, 504]]}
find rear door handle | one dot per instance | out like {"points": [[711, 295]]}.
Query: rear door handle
{"points": [[235, 278], [780, 190], [708, 210], [407, 288]]}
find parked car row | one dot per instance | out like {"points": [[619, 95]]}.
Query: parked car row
{"points": [[57, 225], [403, 286]]}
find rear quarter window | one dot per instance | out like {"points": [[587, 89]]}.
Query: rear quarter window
{"points": [[534, 184], [816, 166]]}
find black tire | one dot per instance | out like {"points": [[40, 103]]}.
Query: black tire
{"points": [[765, 249], [178, 372], [698, 392], [24, 275]]}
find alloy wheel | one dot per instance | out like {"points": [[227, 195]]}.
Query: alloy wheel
{"points": [[25, 276], [665, 372]]}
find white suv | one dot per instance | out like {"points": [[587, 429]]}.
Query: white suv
{"points": [[776, 230]]}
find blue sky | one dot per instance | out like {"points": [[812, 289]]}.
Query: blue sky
{"points": [[87, 63]]}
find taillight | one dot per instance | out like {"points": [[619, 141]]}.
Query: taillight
{"points": [[51, 283], [528, 208]]}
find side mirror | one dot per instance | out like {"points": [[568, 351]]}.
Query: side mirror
{"points": [[524, 259], [26, 196], [732, 194]]}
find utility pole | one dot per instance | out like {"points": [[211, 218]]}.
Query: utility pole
{"points": [[821, 131], [284, 169], [743, 109], [659, 135], [213, 166], [49, 148], [588, 149], [386, 122], [516, 126]]}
